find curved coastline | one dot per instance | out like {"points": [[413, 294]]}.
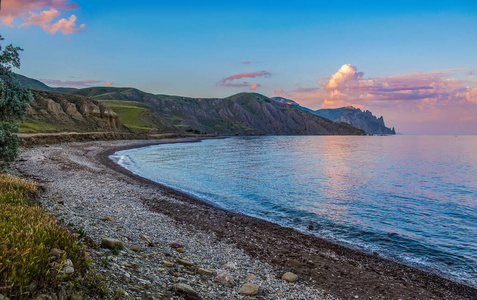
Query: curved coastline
{"points": [[324, 264]]}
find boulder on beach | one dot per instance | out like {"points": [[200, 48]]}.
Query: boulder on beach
{"points": [[290, 277], [111, 243], [249, 289], [223, 277], [185, 291]]}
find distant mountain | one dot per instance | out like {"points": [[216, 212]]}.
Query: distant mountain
{"points": [[361, 119], [38, 85], [354, 116], [241, 114]]}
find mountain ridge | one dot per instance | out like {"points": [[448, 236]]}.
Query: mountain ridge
{"points": [[240, 114]]}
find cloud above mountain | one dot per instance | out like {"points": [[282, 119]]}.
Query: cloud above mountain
{"points": [[43, 13], [231, 81], [347, 86], [79, 84]]}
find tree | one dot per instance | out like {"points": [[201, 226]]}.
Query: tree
{"points": [[14, 102]]}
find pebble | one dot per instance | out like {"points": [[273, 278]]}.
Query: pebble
{"points": [[223, 277], [167, 263], [177, 245], [184, 262], [290, 277], [68, 270], [112, 243], [135, 248], [186, 291], [250, 277], [203, 271], [249, 289]]}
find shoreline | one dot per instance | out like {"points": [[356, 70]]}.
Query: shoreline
{"points": [[371, 273], [84, 188]]}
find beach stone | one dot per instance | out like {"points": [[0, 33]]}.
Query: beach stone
{"points": [[184, 262], [108, 219], [136, 248], [55, 252], [249, 289], [250, 277], [55, 265], [3, 297], [180, 250], [290, 277], [203, 271], [111, 243], [33, 286], [167, 263], [293, 262], [229, 266], [68, 263], [147, 239], [176, 274], [177, 245], [223, 277], [68, 270], [185, 291]]}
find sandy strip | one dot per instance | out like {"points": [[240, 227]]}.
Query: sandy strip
{"points": [[92, 187]]}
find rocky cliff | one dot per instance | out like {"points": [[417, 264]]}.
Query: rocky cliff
{"points": [[358, 118], [53, 111], [241, 114], [354, 116]]}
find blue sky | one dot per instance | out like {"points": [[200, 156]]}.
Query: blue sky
{"points": [[409, 58]]}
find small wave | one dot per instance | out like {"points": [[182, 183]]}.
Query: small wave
{"points": [[123, 160]]}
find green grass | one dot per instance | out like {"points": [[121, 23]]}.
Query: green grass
{"points": [[134, 115], [27, 235], [33, 126]]}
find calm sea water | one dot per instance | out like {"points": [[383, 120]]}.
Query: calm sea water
{"points": [[412, 199]]}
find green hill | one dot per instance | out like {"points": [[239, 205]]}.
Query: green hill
{"points": [[138, 117]]}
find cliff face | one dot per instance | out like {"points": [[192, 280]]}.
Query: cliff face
{"points": [[358, 118], [241, 114], [354, 116], [64, 112]]}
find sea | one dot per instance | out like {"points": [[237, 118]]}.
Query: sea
{"points": [[411, 199]]}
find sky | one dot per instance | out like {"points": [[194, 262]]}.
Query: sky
{"points": [[413, 62]]}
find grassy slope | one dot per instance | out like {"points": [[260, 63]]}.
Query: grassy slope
{"points": [[134, 115], [33, 126], [27, 236]]}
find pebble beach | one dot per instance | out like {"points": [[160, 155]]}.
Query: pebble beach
{"points": [[172, 246]]}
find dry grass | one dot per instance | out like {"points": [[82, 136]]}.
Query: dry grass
{"points": [[27, 235]]}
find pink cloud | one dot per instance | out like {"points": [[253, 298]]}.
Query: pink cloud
{"points": [[278, 92], [246, 75], [79, 84], [41, 13], [347, 86], [246, 62], [254, 86], [228, 81], [109, 84]]}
